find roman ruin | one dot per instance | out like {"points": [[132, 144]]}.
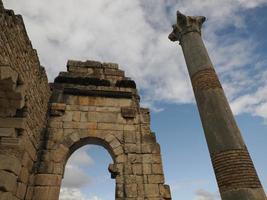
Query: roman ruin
{"points": [[235, 173], [42, 124]]}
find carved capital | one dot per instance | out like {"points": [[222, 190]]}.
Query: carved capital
{"points": [[186, 24]]}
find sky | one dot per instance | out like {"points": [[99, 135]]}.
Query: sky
{"points": [[134, 34]]}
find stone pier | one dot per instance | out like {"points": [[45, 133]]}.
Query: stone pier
{"points": [[235, 173]]}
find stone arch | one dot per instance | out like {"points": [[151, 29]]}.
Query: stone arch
{"points": [[90, 100], [48, 183], [94, 103]]}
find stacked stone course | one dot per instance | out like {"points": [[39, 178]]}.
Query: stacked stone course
{"points": [[235, 173], [94, 103], [42, 124], [24, 95]]}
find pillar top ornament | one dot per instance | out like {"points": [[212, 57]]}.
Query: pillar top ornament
{"points": [[186, 24]]}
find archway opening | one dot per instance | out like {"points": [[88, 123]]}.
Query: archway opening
{"points": [[86, 175]]}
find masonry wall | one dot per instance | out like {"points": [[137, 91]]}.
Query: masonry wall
{"points": [[24, 95], [40, 127], [94, 103]]}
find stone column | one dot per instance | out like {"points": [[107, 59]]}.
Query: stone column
{"points": [[235, 173]]}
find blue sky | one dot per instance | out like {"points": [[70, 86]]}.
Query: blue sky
{"points": [[134, 34]]}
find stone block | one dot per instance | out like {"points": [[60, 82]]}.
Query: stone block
{"points": [[47, 180], [117, 151], [76, 116], [128, 112], [109, 126], [55, 124], [134, 158], [108, 109], [120, 158], [119, 191], [91, 116], [84, 116], [155, 178], [157, 169], [21, 190], [26, 161], [129, 127], [111, 65], [18, 123], [6, 72], [58, 106], [71, 125], [108, 117], [24, 175], [8, 181], [67, 117], [83, 100], [150, 148], [10, 163], [60, 153], [50, 192], [129, 136], [128, 169], [6, 195], [151, 190], [145, 115], [151, 158], [114, 144], [29, 193], [71, 100], [30, 148], [131, 190], [132, 148], [147, 169], [137, 169], [165, 191], [8, 132]]}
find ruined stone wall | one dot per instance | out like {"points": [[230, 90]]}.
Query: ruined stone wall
{"points": [[94, 103], [24, 95], [91, 103]]}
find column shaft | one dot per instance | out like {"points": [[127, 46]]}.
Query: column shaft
{"points": [[235, 173]]}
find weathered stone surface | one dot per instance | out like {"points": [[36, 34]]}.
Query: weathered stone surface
{"points": [[6, 195], [8, 181], [233, 167], [151, 190], [8, 132], [21, 190], [10, 163], [165, 191], [128, 112], [47, 179], [131, 190], [92, 103]]}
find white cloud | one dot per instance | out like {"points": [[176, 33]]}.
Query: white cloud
{"points": [[75, 194], [205, 195], [81, 157], [75, 176], [255, 103], [134, 34]]}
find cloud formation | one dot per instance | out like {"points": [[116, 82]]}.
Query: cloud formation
{"points": [[75, 177], [75, 194], [205, 195], [134, 34]]}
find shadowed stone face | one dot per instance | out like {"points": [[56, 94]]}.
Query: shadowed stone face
{"points": [[235, 173], [42, 124]]}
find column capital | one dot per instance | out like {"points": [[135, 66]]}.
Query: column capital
{"points": [[186, 24]]}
